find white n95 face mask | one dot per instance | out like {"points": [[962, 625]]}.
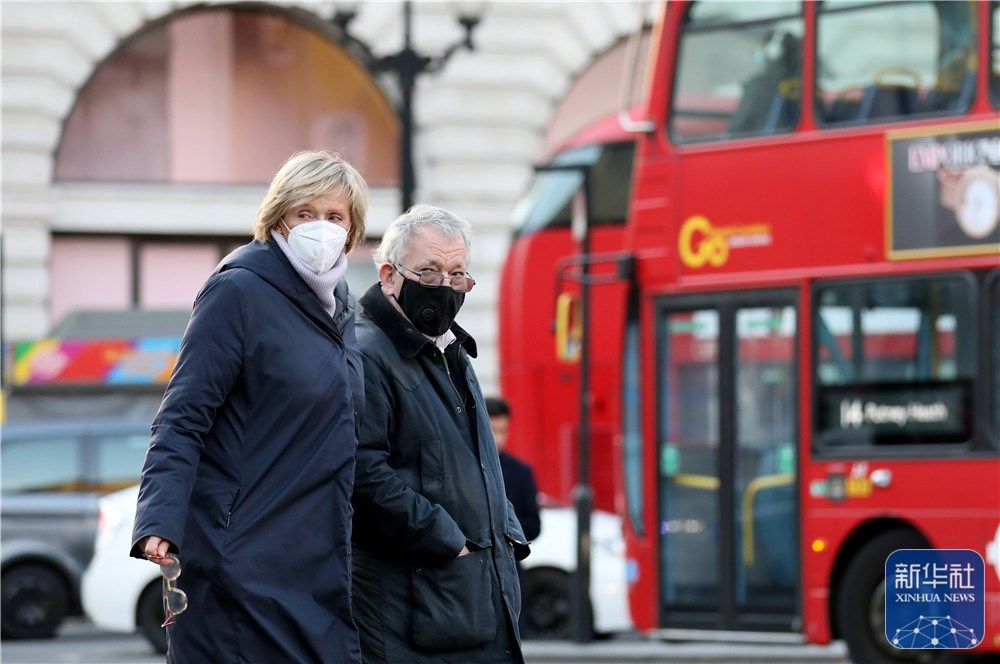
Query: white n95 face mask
{"points": [[317, 243]]}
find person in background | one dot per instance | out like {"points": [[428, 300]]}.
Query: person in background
{"points": [[435, 538], [248, 475], [519, 482]]}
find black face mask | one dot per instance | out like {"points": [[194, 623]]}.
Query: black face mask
{"points": [[431, 310]]}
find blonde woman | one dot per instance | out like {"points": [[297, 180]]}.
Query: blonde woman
{"points": [[247, 481]]}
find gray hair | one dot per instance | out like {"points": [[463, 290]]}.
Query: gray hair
{"points": [[400, 231]]}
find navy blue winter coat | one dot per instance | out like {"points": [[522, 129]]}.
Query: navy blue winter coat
{"points": [[250, 468]]}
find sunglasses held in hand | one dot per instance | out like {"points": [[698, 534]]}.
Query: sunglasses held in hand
{"points": [[175, 600]]}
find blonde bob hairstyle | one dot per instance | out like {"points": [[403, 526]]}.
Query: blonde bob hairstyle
{"points": [[305, 176]]}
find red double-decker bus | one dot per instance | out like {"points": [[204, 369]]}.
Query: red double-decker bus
{"points": [[544, 390], [808, 344]]}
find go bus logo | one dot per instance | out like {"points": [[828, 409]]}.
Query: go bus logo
{"points": [[699, 243]]}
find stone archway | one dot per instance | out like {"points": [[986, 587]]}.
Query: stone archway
{"points": [[221, 95]]}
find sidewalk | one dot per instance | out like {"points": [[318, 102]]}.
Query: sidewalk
{"points": [[630, 650]]}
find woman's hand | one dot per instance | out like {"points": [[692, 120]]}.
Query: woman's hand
{"points": [[155, 549]]}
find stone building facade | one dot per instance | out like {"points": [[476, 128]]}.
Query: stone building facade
{"points": [[481, 123]]}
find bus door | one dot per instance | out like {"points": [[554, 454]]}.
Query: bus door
{"points": [[726, 423]]}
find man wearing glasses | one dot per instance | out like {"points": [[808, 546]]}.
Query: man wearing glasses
{"points": [[435, 539]]}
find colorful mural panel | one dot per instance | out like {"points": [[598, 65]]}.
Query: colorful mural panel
{"points": [[148, 361]]}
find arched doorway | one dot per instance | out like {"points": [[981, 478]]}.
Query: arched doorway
{"points": [[224, 96], [211, 102]]}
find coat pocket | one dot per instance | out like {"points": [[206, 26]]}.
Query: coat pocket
{"points": [[452, 604], [520, 548], [432, 475]]}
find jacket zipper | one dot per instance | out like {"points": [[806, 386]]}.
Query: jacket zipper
{"points": [[229, 512], [450, 381]]}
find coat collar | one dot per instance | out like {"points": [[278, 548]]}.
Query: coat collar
{"points": [[267, 261], [406, 338]]}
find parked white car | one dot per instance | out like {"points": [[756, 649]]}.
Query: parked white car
{"points": [[548, 575], [123, 594], [120, 593]]}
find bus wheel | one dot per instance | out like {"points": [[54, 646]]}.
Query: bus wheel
{"points": [[861, 604]]}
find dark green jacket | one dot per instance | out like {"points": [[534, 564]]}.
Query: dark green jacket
{"points": [[428, 482]]}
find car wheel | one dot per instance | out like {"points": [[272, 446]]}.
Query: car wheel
{"points": [[33, 602], [861, 604], [149, 617], [548, 607]]}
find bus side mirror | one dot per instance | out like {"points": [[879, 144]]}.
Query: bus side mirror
{"points": [[569, 328]]}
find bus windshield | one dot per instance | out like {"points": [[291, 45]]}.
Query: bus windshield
{"points": [[549, 201]]}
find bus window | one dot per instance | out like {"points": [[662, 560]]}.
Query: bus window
{"points": [[878, 61], [689, 442], [895, 361], [995, 54], [549, 202], [766, 565], [632, 426], [739, 70]]}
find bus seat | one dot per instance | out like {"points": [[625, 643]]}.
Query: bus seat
{"points": [[774, 512], [842, 108], [956, 81], [886, 101], [950, 97], [784, 110]]}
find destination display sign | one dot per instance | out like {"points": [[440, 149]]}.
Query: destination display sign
{"points": [[894, 414]]}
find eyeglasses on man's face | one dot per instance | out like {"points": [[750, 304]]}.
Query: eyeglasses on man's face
{"points": [[462, 283], [175, 600]]}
